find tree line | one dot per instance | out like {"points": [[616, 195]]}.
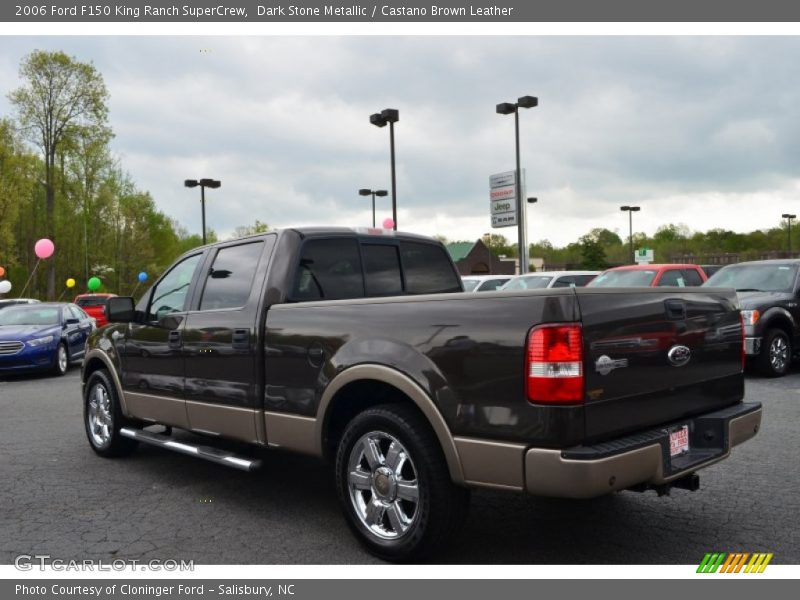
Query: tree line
{"points": [[60, 180], [601, 248]]}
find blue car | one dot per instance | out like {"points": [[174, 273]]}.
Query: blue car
{"points": [[47, 336]]}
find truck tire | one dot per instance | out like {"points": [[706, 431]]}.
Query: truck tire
{"points": [[394, 484], [103, 417], [775, 357]]}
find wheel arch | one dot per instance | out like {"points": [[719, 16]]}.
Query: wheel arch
{"points": [[337, 406], [94, 361]]}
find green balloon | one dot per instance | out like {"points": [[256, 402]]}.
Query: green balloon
{"points": [[94, 284]]}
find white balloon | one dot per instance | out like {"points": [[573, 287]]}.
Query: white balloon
{"points": [[5, 287]]}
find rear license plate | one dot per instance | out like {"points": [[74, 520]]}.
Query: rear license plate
{"points": [[679, 441]]}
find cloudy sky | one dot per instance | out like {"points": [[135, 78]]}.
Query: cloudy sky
{"points": [[696, 130]]}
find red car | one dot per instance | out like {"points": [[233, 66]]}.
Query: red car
{"points": [[95, 306], [679, 275]]}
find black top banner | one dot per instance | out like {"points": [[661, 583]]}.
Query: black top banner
{"points": [[441, 11]]}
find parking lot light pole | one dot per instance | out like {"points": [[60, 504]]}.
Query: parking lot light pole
{"points": [[530, 201], [203, 183], [390, 116], [789, 218], [507, 108], [630, 210], [367, 192]]}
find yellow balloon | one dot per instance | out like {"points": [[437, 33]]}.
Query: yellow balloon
{"points": [[70, 283]]}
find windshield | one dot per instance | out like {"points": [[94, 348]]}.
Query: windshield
{"points": [[624, 278], [470, 284], [532, 282], [30, 315], [755, 278]]}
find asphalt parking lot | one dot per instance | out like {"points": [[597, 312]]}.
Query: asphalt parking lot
{"points": [[59, 498]]}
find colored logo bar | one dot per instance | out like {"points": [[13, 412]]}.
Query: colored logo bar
{"points": [[734, 562]]}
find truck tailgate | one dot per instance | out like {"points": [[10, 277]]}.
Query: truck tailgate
{"points": [[652, 356]]}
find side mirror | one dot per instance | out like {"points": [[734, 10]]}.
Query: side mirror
{"points": [[120, 309]]}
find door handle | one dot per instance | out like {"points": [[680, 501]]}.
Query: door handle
{"points": [[175, 339], [241, 339]]}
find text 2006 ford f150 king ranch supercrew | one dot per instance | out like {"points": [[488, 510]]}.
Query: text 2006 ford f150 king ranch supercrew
{"points": [[360, 347]]}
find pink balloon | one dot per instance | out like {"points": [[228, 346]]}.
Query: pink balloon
{"points": [[388, 223], [44, 248]]}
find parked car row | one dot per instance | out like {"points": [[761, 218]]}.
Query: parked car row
{"points": [[768, 293], [43, 336]]}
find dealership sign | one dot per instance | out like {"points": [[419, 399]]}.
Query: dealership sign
{"points": [[644, 256], [503, 198]]}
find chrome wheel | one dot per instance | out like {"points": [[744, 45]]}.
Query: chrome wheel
{"points": [[100, 421], [779, 354], [63, 360], [383, 485]]}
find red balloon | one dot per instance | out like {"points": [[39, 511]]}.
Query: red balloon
{"points": [[2, 271], [388, 223]]}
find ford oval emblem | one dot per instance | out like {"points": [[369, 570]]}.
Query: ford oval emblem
{"points": [[679, 355]]}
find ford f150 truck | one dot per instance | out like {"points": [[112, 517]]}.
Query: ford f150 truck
{"points": [[362, 348], [769, 296]]}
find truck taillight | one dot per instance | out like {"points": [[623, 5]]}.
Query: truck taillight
{"points": [[554, 364]]}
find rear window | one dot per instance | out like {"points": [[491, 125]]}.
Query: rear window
{"points": [[428, 269], [91, 301], [529, 282]]}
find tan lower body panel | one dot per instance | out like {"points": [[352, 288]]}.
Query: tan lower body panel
{"points": [[491, 464], [226, 421], [292, 432], [743, 428], [548, 474], [159, 409]]}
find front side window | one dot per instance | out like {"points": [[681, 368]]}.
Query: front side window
{"points": [[490, 285], [624, 278], [673, 277], [329, 270], [171, 294], [692, 277], [230, 278]]}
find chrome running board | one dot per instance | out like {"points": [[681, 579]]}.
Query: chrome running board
{"points": [[221, 457]]}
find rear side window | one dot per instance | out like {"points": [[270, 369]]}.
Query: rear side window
{"points": [[329, 270], [382, 270], [230, 278], [427, 269], [692, 277]]}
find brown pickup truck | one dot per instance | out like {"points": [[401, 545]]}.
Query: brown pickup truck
{"points": [[361, 348]]}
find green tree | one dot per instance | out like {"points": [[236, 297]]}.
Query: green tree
{"points": [[59, 98], [245, 230], [593, 256], [499, 244]]}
